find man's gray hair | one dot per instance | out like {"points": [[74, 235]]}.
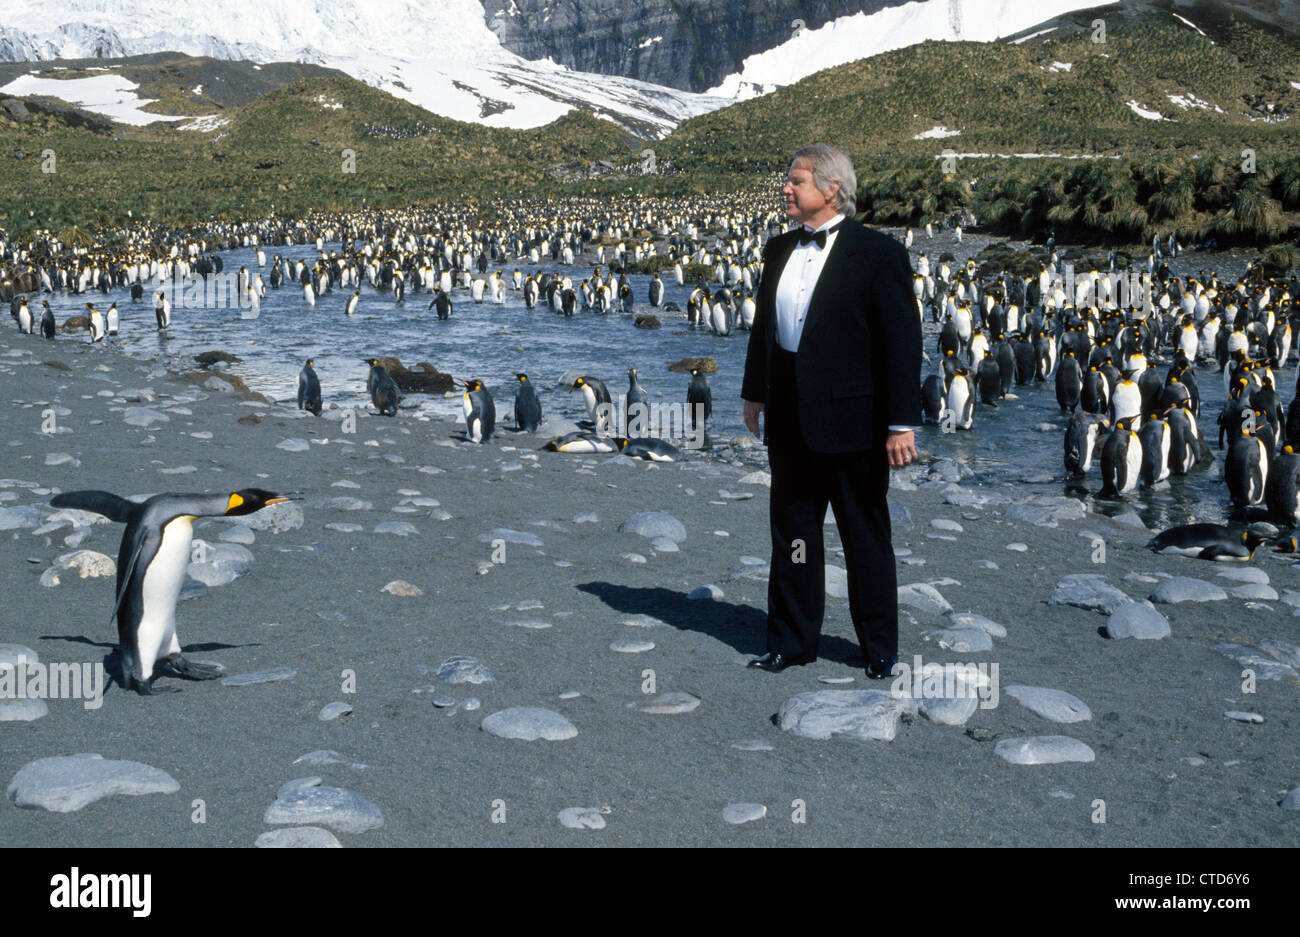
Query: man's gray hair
{"points": [[829, 166]]}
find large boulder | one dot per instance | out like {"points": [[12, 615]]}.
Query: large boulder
{"points": [[426, 380]]}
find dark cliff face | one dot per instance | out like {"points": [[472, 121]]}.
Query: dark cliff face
{"points": [[687, 44]]}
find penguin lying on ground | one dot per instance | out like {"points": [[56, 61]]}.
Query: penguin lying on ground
{"points": [[1207, 542], [151, 564], [581, 441]]}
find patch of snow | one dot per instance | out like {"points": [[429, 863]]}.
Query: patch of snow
{"points": [[1061, 67], [1191, 24], [936, 133], [1041, 32], [206, 123], [1137, 108], [861, 35], [110, 95]]}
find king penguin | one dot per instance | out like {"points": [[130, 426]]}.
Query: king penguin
{"points": [[47, 320], [637, 406], [1121, 460], [528, 408], [351, 308], [383, 389], [309, 389], [699, 400], [480, 412], [1207, 542], [151, 564], [1246, 469], [96, 324], [594, 393]]}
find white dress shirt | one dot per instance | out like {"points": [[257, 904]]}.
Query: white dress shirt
{"points": [[795, 289]]}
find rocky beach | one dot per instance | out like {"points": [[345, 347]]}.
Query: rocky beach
{"points": [[443, 643]]}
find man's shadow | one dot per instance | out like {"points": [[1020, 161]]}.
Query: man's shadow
{"points": [[744, 627], [113, 659]]}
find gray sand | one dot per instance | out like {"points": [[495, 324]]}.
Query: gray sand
{"points": [[1171, 769]]}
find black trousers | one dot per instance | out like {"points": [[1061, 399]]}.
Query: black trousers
{"points": [[855, 484]]}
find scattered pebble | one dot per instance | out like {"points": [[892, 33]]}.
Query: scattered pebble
{"points": [[261, 676], [743, 813], [1043, 750], [1053, 705], [298, 837], [854, 714], [583, 818], [304, 802], [66, 783], [529, 723], [333, 711]]}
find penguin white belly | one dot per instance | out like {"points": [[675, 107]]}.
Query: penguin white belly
{"points": [[160, 588], [588, 395], [1132, 464]]}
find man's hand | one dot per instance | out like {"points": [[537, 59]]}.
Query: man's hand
{"points": [[752, 412], [900, 447]]}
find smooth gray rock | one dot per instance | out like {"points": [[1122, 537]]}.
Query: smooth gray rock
{"points": [[10, 654], [529, 723], [753, 745], [705, 592], [1087, 591], [298, 837], [222, 563], [1259, 591], [654, 524], [287, 515], [971, 620], [273, 675], [303, 802], [1265, 668], [1245, 574], [1292, 799], [669, 704], [1238, 716], [463, 670], [66, 783], [1186, 589], [949, 712], [632, 647], [22, 709], [523, 538], [583, 818], [854, 714], [1281, 651], [837, 582], [396, 528], [961, 640], [22, 517], [1043, 750], [293, 444], [924, 598], [665, 545], [143, 416], [743, 813], [1053, 705], [1137, 620], [338, 503], [333, 710]]}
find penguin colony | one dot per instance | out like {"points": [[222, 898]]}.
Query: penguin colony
{"points": [[1128, 376], [395, 257]]}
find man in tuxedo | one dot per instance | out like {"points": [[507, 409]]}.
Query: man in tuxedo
{"points": [[834, 371]]}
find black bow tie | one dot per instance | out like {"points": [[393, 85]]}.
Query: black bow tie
{"points": [[807, 237]]}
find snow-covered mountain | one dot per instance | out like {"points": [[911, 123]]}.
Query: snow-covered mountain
{"points": [[444, 57]]}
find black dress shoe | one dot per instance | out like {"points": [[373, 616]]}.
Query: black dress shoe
{"points": [[774, 663], [879, 670]]}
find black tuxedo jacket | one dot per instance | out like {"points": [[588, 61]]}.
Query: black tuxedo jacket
{"points": [[858, 368]]}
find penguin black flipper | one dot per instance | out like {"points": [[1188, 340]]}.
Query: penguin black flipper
{"points": [[101, 502]]}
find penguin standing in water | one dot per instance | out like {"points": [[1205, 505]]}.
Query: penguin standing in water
{"points": [[162, 310], [637, 406], [961, 401], [594, 393], [1245, 470], [383, 389], [24, 318], [1121, 460], [48, 325], [1081, 435], [932, 394], [151, 564], [353, 300], [699, 400], [480, 412], [528, 408], [1281, 495], [96, 324], [309, 398], [1069, 382], [111, 320], [1156, 440], [442, 302], [989, 379], [656, 291]]}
